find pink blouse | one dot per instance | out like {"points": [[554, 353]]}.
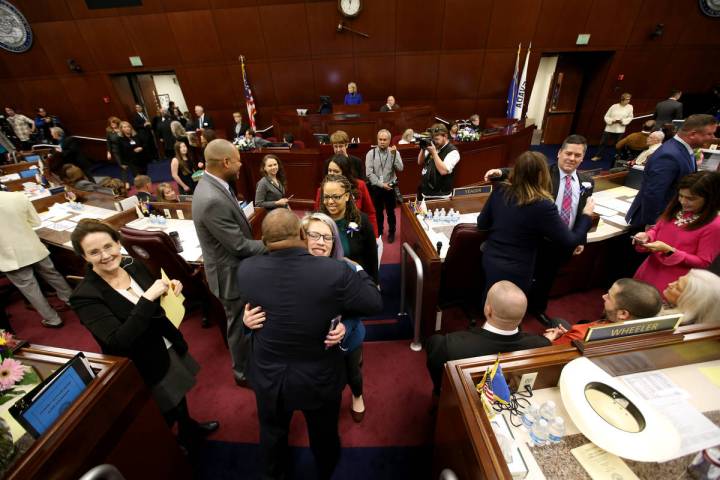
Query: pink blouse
{"points": [[693, 249]]}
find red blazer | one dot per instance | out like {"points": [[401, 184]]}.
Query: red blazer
{"points": [[364, 203], [577, 332]]}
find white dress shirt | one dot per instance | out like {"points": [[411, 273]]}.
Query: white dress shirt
{"points": [[490, 328], [575, 185]]}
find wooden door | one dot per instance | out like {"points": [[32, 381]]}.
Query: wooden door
{"points": [[563, 100]]}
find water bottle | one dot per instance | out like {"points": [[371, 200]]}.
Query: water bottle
{"points": [[429, 216], [436, 215], [557, 430], [547, 411], [539, 432], [531, 416]]}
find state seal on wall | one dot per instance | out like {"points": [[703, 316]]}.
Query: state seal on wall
{"points": [[15, 33]]}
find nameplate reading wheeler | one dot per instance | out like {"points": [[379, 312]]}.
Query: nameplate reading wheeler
{"points": [[473, 190], [633, 327]]}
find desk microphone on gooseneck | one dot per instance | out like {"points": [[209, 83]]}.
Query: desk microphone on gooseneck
{"points": [[438, 247]]}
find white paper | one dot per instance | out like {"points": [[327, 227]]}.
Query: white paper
{"points": [[603, 211], [616, 220], [696, 431], [614, 204], [10, 177], [654, 385]]}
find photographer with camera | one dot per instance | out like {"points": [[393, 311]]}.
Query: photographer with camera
{"points": [[381, 163], [438, 159]]}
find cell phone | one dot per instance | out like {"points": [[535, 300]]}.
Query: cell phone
{"points": [[333, 325]]}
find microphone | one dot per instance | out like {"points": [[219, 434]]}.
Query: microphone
{"points": [[438, 247]]}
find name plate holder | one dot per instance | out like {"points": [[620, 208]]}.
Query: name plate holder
{"points": [[604, 339], [471, 190]]}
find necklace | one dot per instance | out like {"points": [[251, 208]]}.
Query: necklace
{"points": [[685, 219]]}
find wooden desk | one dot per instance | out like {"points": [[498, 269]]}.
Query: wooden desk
{"points": [[303, 167], [464, 440], [356, 120], [17, 167], [115, 420], [583, 272]]}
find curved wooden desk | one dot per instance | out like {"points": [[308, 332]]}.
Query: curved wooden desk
{"points": [[303, 167]]}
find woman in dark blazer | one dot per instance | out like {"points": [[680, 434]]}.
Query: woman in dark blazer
{"points": [[270, 191], [131, 150], [518, 215], [119, 303], [356, 232]]}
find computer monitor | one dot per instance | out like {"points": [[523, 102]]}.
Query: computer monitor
{"points": [[31, 158], [322, 138]]}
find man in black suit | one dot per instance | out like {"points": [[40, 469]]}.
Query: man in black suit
{"points": [[143, 128], [668, 110], [203, 120], [161, 126], [504, 310], [295, 363], [551, 257]]}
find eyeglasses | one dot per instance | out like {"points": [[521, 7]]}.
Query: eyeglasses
{"points": [[97, 253], [317, 236], [334, 198]]}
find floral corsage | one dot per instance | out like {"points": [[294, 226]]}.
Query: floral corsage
{"points": [[352, 228], [585, 187]]}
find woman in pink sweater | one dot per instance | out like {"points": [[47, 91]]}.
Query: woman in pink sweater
{"points": [[686, 236]]}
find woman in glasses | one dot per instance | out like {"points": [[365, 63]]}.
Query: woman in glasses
{"points": [[118, 301], [323, 240], [356, 233]]}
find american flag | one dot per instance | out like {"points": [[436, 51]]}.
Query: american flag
{"points": [[249, 102]]}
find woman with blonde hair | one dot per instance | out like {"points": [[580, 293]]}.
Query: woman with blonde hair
{"points": [[407, 137], [353, 97], [519, 214], [695, 295], [131, 151], [166, 193]]}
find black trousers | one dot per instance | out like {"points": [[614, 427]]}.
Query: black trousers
{"points": [[322, 424], [550, 258], [384, 201], [353, 370], [612, 137]]}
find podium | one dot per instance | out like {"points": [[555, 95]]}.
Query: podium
{"points": [[115, 420]]}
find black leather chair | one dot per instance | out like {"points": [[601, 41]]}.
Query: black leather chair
{"points": [[462, 278], [156, 250]]}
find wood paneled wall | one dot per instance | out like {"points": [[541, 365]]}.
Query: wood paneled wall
{"points": [[457, 55]]}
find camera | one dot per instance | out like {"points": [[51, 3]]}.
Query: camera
{"points": [[424, 142]]}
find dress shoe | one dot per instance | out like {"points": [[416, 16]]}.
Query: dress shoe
{"points": [[544, 319], [206, 428], [48, 324], [357, 416], [65, 307], [241, 382], [391, 237]]}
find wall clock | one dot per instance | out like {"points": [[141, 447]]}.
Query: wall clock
{"points": [[711, 8], [350, 8], [15, 33]]}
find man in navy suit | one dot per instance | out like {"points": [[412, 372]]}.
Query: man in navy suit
{"points": [[295, 362], [672, 161], [550, 257]]}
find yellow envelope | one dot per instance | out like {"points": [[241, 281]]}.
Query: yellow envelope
{"points": [[172, 304]]}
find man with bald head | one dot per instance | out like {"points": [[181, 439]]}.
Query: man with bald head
{"points": [[226, 240], [295, 362], [504, 310]]}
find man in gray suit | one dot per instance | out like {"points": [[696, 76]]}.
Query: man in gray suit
{"points": [[668, 110], [225, 238]]}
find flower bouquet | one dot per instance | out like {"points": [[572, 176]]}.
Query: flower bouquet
{"points": [[468, 135]]}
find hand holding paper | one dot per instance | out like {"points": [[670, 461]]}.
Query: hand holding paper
{"points": [[172, 300]]}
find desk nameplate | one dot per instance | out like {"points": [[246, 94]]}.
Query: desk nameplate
{"points": [[633, 327]]}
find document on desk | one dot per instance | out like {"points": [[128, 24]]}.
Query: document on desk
{"points": [[613, 204], [602, 465], [604, 212], [696, 431], [172, 304], [617, 220]]}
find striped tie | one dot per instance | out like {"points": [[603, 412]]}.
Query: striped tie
{"points": [[566, 209]]}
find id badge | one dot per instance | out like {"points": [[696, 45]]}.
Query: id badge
{"points": [[382, 179]]}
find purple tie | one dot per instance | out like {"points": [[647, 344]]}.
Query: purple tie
{"points": [[566, 209]]}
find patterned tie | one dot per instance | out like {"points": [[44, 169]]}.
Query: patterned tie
{"points": [[566, 209]]}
